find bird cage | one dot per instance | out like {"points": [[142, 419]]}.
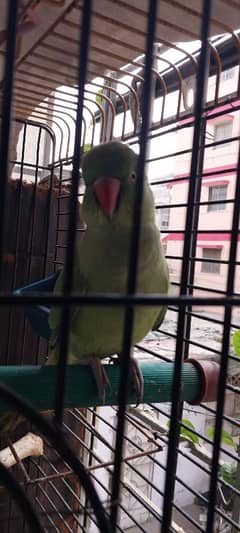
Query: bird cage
{"points": [[163, 78]]}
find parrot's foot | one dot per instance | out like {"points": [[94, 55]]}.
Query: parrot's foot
{"points": [[100, 376], [136, 377], [138, 381]]}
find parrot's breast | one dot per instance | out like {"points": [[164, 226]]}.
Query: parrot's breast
{"points": [[102, 267], [100, 330]]}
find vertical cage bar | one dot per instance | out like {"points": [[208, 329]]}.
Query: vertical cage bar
{"points": [[188, 321], [58, 232], [19, 209], [31, 232], [7, 113], [56, 437], [20, 497], [46, 162], [176, 387], [49, 204], [18, 216], [90, 462], [71, 234], [224, 355], [133, 260]]}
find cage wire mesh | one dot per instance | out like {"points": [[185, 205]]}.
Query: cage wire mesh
{"points": [[162, 77]]}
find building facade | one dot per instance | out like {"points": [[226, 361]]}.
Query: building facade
{"points": [[217, 190]]}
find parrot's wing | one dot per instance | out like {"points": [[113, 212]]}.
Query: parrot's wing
{"points": [[160, 318], [55, 313]]}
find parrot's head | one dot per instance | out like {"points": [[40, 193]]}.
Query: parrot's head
{"points": [[109, 173]]}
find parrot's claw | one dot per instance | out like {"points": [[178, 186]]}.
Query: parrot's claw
{"points": [[137, 378], [100, 376]]}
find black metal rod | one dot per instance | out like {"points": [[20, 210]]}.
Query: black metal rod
{"points": [[132, 273], [73, 204], [34, 298], [21, 499], [59, 496], [17, 233], [176, 388], [55, 512], [59, 197], [231, 455], [45, 513], [158, 464], [90, 461], [224, 356], [48, 221], [7, 114], [32, 229], [181, 231], [56, 438], [91, 428]]}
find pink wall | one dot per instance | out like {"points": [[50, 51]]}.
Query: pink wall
{"points": [[216, 160]]}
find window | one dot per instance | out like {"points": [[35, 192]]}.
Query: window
{"points": [[216, 194], [221, 132], [227, 74], [164, 217], [211, 253]]}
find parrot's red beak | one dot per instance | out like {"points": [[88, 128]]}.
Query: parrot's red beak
{"points": [[107, 192]]}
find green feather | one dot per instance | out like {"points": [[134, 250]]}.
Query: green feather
{"points": [[102, 262]]}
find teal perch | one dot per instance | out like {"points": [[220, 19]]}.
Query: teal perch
{"points": [[37, 384]]}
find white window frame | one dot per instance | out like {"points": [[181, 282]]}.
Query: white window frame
{"points": [[212, 191], [209, 267]]}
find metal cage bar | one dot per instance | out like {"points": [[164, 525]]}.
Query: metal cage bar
{"points": [[104, 473]]}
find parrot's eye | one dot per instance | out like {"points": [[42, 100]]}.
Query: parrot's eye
{"points": [[133, 176]]}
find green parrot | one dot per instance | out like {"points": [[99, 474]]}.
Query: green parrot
{"points": [[101, 266], [102, 261]]}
